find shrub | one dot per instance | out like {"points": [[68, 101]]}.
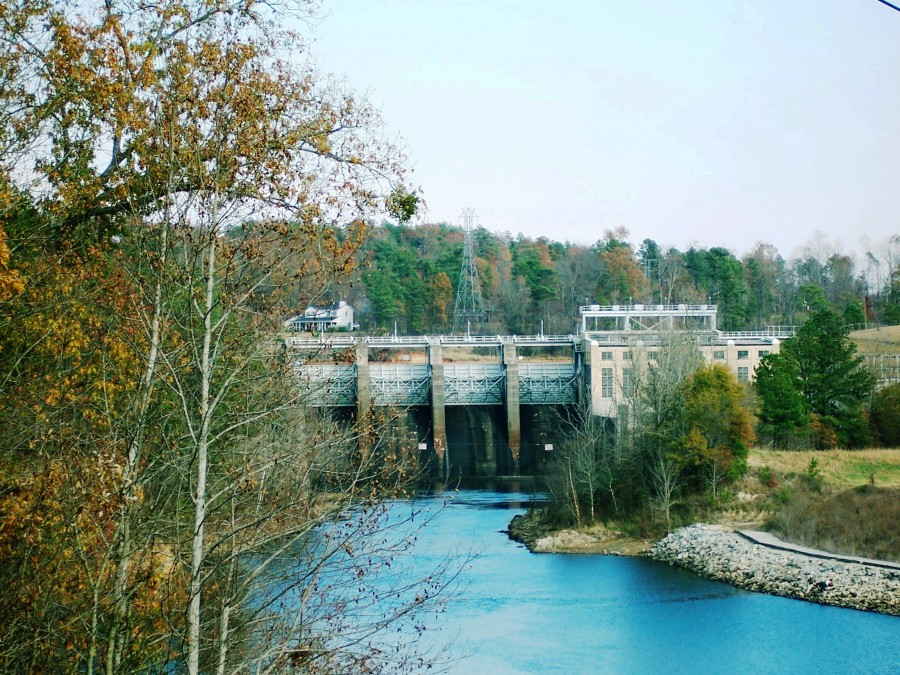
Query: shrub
{"points": [[814, 475], [766, 477], [822, 433], [885, 415]]}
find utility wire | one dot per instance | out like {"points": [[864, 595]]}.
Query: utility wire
{"points": [[885, 2]]}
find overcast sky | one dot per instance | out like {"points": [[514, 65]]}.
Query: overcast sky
{"points": [[697, 122]]}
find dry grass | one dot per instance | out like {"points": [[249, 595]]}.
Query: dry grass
{"points": [[839, 468], [849, 503], [862, 521], [885, 340]]}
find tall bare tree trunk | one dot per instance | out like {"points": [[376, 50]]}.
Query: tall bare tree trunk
{"points": [[202, 459], [118, 637]]}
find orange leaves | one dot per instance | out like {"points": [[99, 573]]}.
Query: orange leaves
{"points": [[68, 360], [144, 103], [55, 525], [442, 294], [10, 281], [626, 278]]}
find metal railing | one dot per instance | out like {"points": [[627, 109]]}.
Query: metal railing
{"points": [[647, 309], [768, 333], [885, 367], [347, 341]]}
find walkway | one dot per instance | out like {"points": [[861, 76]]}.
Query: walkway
{"points": [[771, 541]]}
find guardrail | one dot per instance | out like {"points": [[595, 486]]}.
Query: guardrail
{"points": [[345, 341], [648, 309], [756, 335]]}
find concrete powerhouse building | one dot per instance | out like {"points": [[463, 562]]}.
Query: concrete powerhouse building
{"points": [[621, 342]]}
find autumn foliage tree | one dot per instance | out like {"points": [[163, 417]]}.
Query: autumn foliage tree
{"points": [[171, 186], [716, 427]]}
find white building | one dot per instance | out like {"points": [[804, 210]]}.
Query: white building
{"points": [[338, 315], [622, 341]]}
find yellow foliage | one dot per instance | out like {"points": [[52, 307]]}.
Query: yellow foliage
{"points": [[10, 282]]}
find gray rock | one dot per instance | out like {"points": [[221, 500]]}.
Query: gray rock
{"points": [[726, 556]]}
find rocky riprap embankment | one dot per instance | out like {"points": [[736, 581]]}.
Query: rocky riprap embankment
{"points": [[727, 556]]}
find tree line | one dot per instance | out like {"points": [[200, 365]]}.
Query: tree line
{"points": [[409, 275]]}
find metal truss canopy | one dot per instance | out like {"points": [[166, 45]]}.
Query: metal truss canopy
{"points": [[473, 384], [547, 383], [647, 318], [400, 384], [885, 368]]}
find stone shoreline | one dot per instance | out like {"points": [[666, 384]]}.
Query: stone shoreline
{"points": [[723, 555]]}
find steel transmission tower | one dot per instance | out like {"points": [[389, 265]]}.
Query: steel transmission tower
{"points": [[470, 309]]}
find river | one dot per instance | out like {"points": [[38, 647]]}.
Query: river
{"points": [[519, 612]]}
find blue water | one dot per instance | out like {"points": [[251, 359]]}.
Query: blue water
{"points": [[519, 612]]}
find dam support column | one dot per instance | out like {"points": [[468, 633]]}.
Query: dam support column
{"points": [[438, 414], [363, 397], [513, 422]]}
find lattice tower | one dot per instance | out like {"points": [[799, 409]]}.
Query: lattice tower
{"points": [[470, 311]]}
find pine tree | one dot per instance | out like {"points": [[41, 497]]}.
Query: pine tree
{"points": [[782, 415], [820, 362]]}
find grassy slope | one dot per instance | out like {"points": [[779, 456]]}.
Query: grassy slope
{"points": [[853, 507], [884, 340], [840, 469]]}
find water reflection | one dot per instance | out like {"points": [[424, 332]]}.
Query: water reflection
{"points": [[526, 613]]}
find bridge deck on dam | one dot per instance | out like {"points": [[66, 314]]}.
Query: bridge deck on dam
{"points": [[422, 341], [403, 385]]}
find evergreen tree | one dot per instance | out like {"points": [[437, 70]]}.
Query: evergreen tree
{"points": [[782, 416], [821, 363], [885, 416]]}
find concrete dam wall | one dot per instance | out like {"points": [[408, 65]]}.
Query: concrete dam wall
{"points": [[477, 441]]}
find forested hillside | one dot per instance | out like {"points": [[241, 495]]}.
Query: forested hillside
{"points": [[408, 276]]}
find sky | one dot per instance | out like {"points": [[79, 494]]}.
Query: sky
{"points": [[693, 123]]}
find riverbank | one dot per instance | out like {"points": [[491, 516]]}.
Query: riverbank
{"points": [[539, 537], [723, 555]]}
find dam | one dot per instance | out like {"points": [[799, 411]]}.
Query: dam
{"points": [[504, 400]]}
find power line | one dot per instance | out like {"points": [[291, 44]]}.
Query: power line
{"points": [[470, 307], [885, 2]]}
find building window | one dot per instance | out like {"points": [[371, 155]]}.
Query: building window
{"points": [[606, 383], [743, 374], [763, 352], [628, 382], [652, 356], [743, 354], [626, 356], [719, 354], [606, 356]]}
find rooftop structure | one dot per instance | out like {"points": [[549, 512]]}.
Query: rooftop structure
{"points": [[647, 318], [623, 324]]}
